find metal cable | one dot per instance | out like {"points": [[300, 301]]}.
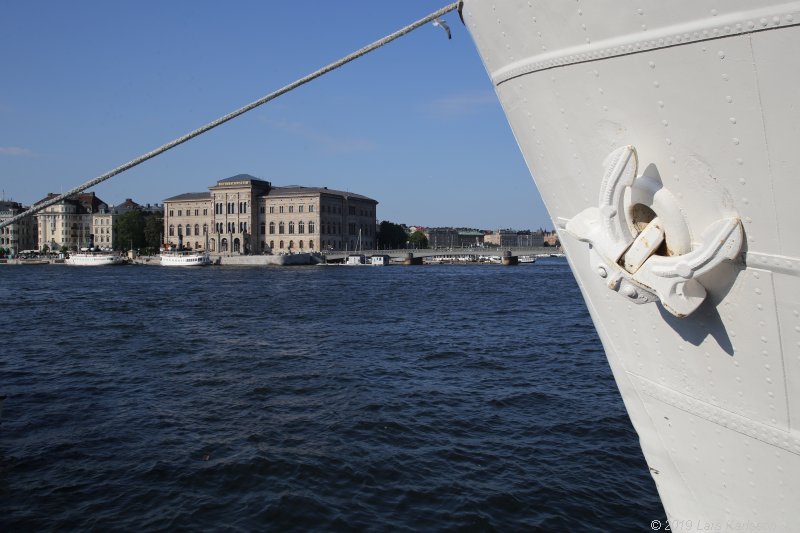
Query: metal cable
{"points": [[271, 96]]}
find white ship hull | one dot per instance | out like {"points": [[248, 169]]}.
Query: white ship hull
{"points": [[90, 259], [185, 259], [706, 93]]}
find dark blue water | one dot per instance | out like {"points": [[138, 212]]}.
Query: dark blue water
{"points": [[435, 398]]}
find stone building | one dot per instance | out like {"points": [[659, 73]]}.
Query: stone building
{"points": [[68, 223], [515, 239], [453, 237], [19, 236], [246, 215]]}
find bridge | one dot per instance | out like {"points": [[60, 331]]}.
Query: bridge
{"points": [[340, 255]]}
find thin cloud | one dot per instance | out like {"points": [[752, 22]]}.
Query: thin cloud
{"points": [[463, 104], [329, 143], [15, 151]]}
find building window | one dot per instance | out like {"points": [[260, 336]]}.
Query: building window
{"points": [[188, 230], [311, 226], [291, 227], [301, 228], [205, 212], [197, 229], [281, 245], [291, 244], [310, 210], [300, 210], [301, 244], [280, 209], [271, 245], [180, 212], [196, 212], [261, 209], [272, 209], [281, 229], [170, 212], [271, 229], [171, 230], [205, 229], [291, 209], [262, 229], [311, 244]]}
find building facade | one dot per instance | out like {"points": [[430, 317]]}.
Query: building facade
{"points": [[515, 239], [69, 223], [453, 237], [246, 215], [20, 235]]}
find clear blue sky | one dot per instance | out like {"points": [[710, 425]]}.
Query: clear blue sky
{"points": [[416, 125]]}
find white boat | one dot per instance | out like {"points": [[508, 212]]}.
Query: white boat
{"points": [[184, 259], [663, 139], [94, 259], [526, 259], [379, 260], [355, 259]]}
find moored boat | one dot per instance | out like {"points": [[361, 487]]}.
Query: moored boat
{"points": [[184, 259], [94, 259]]}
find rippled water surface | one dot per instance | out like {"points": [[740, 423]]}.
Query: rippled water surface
{"points": [[311, 398]]}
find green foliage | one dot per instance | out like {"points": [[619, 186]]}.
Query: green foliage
{"points": [[153, 231], [129, 230], [418, 240], [45, 249], [391, 235]]}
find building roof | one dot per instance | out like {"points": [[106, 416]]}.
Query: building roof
{"points": [[241, 177], [188, 196], [297, 190]]}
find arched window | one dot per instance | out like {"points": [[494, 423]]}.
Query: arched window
{"points": [[197, 229], [311, 226], [301, 227], [291, 227], [236, 245], [272, 228], [281, 245], [205, 229], [213, 245], [281, 229], [271, 245], [223, 245], [311, 244], [291, 244], [196, 245], [301, 244], [171, 230], [188, 230]]}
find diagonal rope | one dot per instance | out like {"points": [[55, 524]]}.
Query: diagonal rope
{"points": [[230, 116]]}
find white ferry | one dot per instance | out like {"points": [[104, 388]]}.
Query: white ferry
{"points": [[94, 259], [184, 259], [663, 139]]}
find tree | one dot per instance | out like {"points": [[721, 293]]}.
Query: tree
{"points": [[391, 235], [153, 231], [129, 230], [418, 239]]}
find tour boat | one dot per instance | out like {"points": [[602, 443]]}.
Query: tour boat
{"points": [[526, 259], [663, 139], [184, 259], [94, 259]]}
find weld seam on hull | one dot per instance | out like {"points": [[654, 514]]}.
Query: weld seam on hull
{"points": [[757, 430], [709, 29]]}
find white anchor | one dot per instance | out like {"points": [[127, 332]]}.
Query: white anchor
{"points": [[627, 260]]}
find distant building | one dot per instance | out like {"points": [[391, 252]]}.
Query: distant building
{"points": [[243, 214], [20, 235], [68, 223], [453, 237], [508, 238]]}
